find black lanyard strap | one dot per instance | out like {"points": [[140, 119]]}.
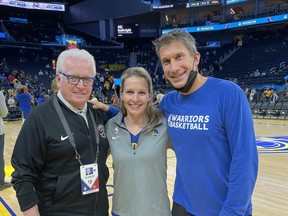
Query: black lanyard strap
{"points": [[69, 133], [96, 135]]}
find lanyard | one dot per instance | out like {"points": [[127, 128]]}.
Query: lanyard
{"points": [[69, 133]]}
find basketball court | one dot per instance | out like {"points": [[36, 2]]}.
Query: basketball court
{"points": [[270, 194]]}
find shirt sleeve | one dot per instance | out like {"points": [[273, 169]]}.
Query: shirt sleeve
{"points": [[27, 160], [113, 111], [244, 165]]}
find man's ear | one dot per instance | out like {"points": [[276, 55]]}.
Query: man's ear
{"points": [[58, 77], [197, 57]]}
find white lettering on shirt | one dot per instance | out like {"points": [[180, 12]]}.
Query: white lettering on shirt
{"points": [[188, 122]]}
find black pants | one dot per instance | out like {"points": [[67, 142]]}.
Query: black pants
{"points": [[178, 210]]}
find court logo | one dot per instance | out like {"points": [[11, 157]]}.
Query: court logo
{"points": [[274, 144]]}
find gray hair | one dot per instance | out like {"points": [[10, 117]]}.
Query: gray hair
{"points": [[79, 53]]}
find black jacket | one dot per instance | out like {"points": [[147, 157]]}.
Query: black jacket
{"points": [[46, 171]]}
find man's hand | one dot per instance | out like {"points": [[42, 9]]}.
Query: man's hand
{"points": [[99, 105], [32, 211]]}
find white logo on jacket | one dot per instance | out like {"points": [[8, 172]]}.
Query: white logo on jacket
{"points": [[63, 138]]}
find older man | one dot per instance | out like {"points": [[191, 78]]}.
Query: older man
{"points": [[60, 154]]}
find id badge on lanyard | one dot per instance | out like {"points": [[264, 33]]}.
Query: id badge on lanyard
{"points": [[89, 178]]}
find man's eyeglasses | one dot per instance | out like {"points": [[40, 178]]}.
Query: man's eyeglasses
{"points": [[74, 80]]}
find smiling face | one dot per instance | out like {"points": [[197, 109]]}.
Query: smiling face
{"points": [[135, 95], [177, 63], [76, 95]]}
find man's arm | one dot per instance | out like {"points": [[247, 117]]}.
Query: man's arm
{"points": [[244, 156], [156, 102], [27, 160], [32, 211], [111, 111], [99, 105]]}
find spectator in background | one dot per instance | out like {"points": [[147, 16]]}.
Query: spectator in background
{"points": [[114, 100], [3, 113], [286, 96], [10, 80], [263, 73], [286, 78], [247, 92], [159, 96], [267, 94], [12, 102], [253, 95], [17, 83], [25, 101], [54, 86], [274, 96], [257, 73], [11, 92], [3, 80], [41, 99]]}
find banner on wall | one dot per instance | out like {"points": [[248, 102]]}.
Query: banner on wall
{"points": [[232, 25], [33, 5]]}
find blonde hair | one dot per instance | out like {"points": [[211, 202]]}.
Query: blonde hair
{"points": [[153, 114], [54, 86]]}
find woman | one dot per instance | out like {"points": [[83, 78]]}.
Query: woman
{"points": [[138, 142]]}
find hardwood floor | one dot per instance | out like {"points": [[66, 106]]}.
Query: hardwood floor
{"points": [[270, 195]]}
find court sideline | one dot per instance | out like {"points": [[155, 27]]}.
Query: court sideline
{"points": [[270, 195]]}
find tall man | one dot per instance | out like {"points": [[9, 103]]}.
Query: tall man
{"points": [[60, 154], [211, 129]]}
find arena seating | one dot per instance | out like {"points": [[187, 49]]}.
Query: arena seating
{"points": [[14, 114], [283, 111], [269, 111]]}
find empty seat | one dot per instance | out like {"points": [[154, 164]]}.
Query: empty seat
{"points": [[263, 108], [276, 111], [252, 105], [283, 111], [269, 111], [256, 109]]}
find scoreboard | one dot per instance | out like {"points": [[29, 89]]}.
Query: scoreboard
{"points": [[128, 30]]}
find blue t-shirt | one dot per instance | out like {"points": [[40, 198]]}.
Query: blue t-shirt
{"points": [[213, 137]]}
